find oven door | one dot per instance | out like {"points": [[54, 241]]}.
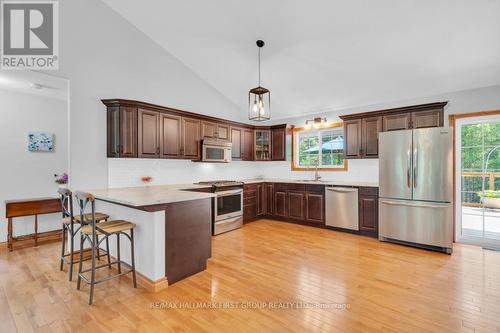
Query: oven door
{"points": [[228, 204], [213, 153]]}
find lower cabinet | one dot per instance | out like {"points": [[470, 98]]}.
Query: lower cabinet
{"points": [[368, 211], [315, 207], [297, 201], [304, 204]]}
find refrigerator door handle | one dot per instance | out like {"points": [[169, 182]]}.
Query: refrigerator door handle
{"points": [[408, 167], [415, 164], [396, 203]]}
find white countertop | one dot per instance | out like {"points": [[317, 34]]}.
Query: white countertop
{"points": [[150, 195], [164, 194], [321, 182]]}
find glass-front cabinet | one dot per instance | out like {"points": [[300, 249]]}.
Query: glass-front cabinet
{"points": [[262, 145]]}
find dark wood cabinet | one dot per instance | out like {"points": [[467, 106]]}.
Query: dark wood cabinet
{"points": [[278, 143], [214, 130], [236, 140], [121, 131], [148, 134], [170, 136], [250, 202], [368, 211], [261, 199], [431, 118], [370, 128], [191, 146], [280, 203], [269, 192], [352, 138], [396, 122], [208, 129], [247, 145], [223, 132], [315, 207], [138, 129], [361, 130], [297, 202]]}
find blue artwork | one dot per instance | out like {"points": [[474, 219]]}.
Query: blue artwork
{"points": [[40, 141]]}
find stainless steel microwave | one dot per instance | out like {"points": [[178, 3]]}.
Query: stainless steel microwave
{"points": [[214, 150]]}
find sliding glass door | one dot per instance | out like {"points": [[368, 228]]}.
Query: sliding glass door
{"points": [[478, 180]]}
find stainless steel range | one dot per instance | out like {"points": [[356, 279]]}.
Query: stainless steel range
{"points": [[227, 206]]}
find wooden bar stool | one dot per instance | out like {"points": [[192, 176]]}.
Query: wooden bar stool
{"points": [[71, 224], [90, 232]]}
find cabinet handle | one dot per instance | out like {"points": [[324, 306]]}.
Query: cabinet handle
{"points": [[157, 150]]}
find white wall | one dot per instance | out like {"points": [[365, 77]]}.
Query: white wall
{"points": [[104, 56], [127, 172], [27, 174]]}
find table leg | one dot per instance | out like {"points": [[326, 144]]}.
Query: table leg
{"points": [[9, 234], [36, 230]]}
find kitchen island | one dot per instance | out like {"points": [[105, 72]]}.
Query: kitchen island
{"points": [[173, 233]]}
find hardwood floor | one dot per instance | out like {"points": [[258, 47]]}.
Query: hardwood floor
{"points": [[384, 287]]}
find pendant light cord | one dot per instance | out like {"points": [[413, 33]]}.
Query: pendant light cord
{"points": [[259, 66]]}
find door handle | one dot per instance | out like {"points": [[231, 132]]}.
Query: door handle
{"points": [[342, 191], [408, 167], [396, 203], [415, 165]]}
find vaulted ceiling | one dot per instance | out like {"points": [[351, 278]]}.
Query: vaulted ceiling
{"points": [[329, 54]]}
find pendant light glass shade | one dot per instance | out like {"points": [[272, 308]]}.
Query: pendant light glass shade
{"points": [[259, 99]]}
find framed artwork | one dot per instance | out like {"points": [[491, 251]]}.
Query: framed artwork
{"points": [[41, 141]]}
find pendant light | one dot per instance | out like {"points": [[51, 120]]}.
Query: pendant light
{"points": [[259, 99]]}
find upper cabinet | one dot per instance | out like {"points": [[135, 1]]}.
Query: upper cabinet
{"points": [[361, 130], [122, 131], [262, 145], [278, 143], [215, 130], [137, 129]]}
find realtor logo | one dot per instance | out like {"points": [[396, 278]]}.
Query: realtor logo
{"points": [[30, 38]]}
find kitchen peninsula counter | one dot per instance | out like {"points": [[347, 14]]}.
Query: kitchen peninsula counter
{"points": [[173, 229]]}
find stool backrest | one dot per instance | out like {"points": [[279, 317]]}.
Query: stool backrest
{"points": [[84, 199], [66, 203]]}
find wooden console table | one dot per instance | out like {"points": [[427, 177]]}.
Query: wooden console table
{"points": [[29, 207]]}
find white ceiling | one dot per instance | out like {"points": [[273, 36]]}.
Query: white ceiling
{"points": [[330, 54]]}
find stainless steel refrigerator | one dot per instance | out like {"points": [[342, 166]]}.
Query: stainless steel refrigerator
{"points": [[416, 187]]}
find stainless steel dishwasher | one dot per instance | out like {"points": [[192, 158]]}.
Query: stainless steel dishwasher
{"points": [[342, 207]]}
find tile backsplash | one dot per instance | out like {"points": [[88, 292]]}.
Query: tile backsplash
{"points": [[124, 172]]}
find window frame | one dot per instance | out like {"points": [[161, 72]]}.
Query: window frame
{"points": [[295, 140]]}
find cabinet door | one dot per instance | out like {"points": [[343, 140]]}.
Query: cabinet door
{"points": [[261, 199], [296, 206], [280, 204], [223, 132], [262, 145], [352, 138], [247, 145], [170, 136], [278, 144], [190, 147], [315, 207], [368, 215], [113, 131], [128, 132], [269, 199], [369, 137], [148, 134], [208, 129], [249, 212], [236, 140], [395, 122], [423, 119]]}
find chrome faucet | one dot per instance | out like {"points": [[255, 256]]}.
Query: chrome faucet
{"points": [[317, 177]]}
